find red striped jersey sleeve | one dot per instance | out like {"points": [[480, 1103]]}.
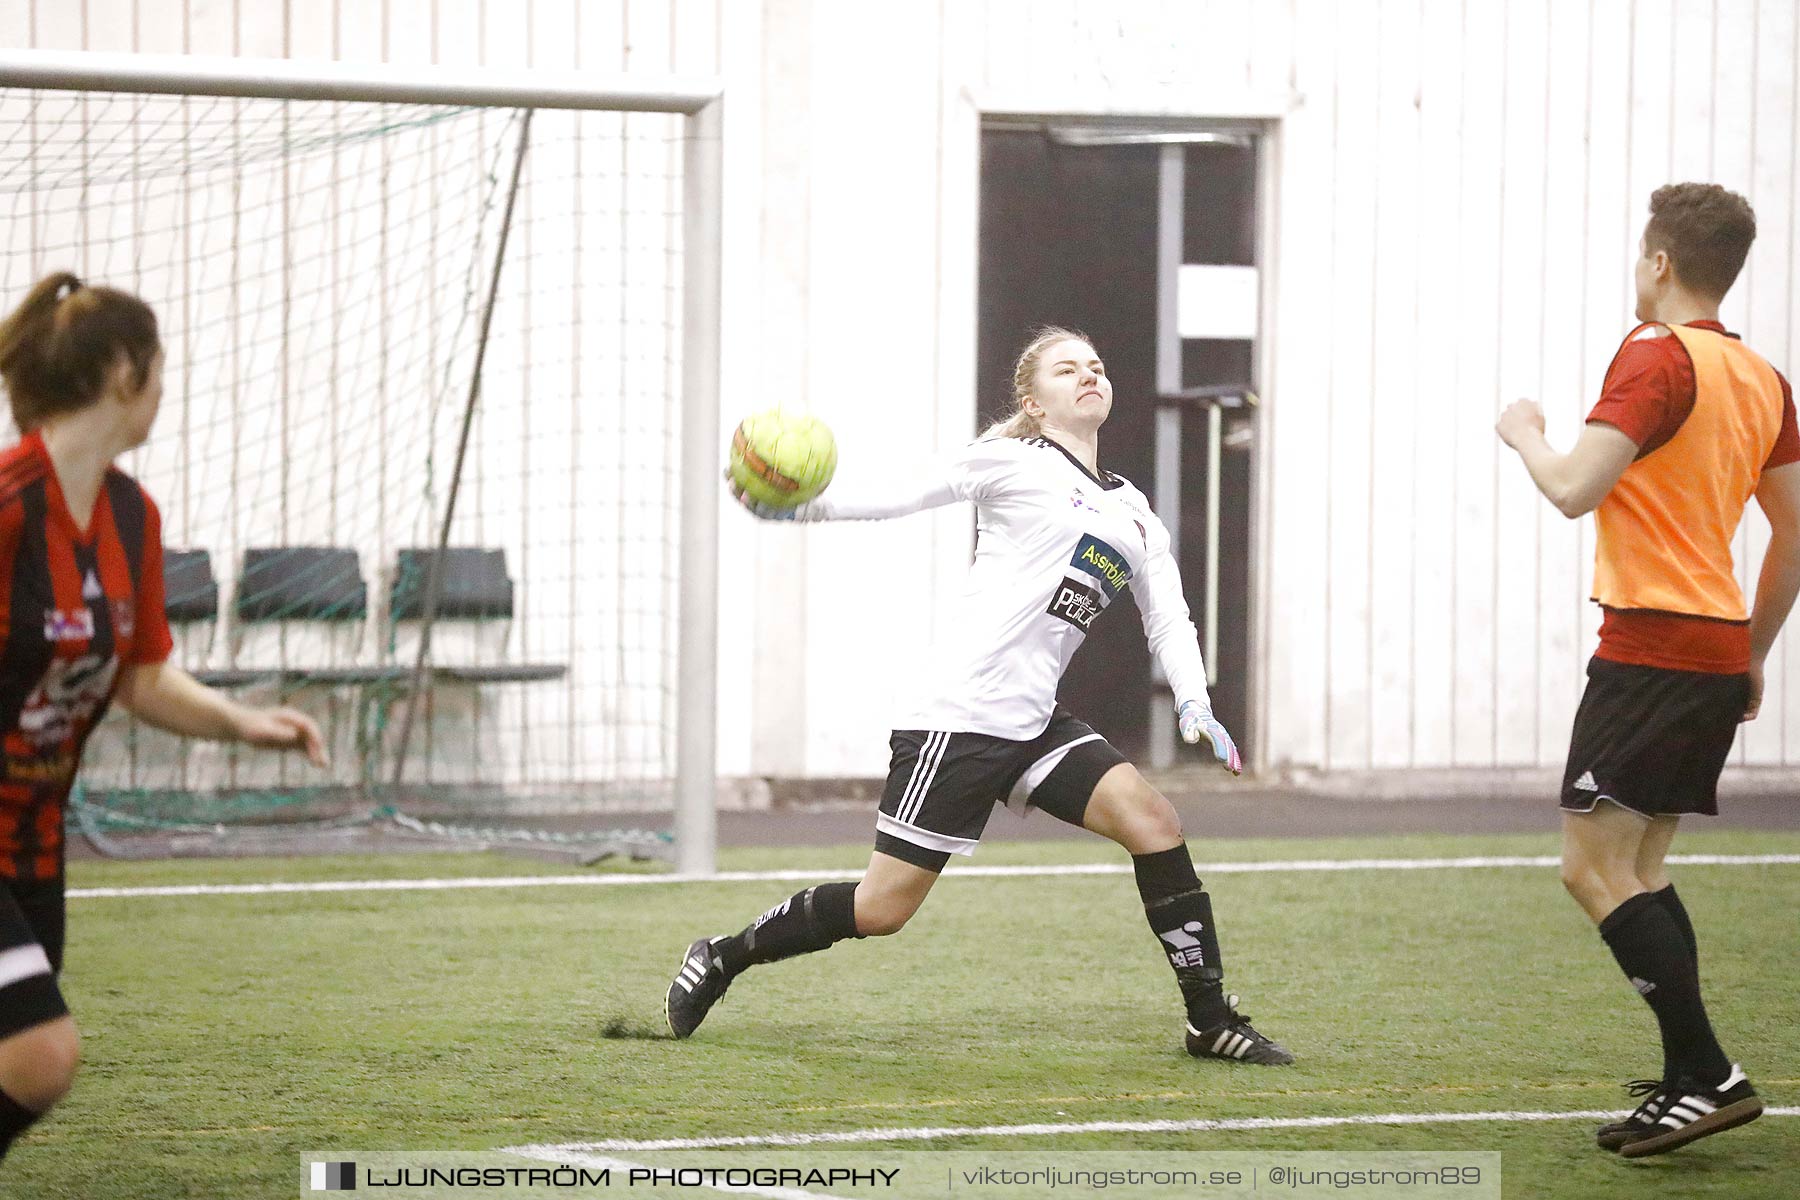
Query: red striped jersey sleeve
{"points": [[152, 641]]}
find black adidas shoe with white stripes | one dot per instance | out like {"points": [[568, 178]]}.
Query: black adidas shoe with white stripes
{"points": [[697, 987], [1616, 1133], [1689, 1110], [1235, 1041]]}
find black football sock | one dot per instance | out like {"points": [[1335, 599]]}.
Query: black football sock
{"points": [[804, 922], [1649, 947], [15, 1119], [1180, 914], [1670, 901]]}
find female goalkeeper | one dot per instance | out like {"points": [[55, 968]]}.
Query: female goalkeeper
{"points": [[1058, 539], [81, 621]]}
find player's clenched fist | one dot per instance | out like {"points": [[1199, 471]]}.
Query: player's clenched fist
{"points": [[1520, 418]]}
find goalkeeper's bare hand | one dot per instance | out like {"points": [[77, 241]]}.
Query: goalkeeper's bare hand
{"points": [[1196, 721]]}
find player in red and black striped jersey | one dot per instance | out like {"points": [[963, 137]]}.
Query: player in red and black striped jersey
{"points": [[81, 623], [79, 606]]}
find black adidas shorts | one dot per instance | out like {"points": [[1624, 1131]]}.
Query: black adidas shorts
{"points": [[941, 787], [31, 945], [1652, 740]]}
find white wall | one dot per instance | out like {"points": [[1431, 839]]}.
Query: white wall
{"points": [[1487, 170], [1459, 188]]}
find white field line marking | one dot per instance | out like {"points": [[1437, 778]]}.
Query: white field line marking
{"points": [[537, 881], [568, 1158], [1189, 1126]]}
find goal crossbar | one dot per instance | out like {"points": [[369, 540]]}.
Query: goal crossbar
{"points": [[298, 79]]}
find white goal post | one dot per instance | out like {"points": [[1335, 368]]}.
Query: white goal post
{"points": [[696, 459]]}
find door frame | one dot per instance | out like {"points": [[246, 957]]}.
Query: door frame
{"points": [[964, 114]]}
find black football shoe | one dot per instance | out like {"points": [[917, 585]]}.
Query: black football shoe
{"points": [[1234, 1040], [696, 988], [1688, 1110]]}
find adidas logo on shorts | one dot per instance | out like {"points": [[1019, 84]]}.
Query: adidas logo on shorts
{"points": [[1586, 783]]}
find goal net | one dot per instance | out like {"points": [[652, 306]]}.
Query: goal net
{"points": [[322, 273]]}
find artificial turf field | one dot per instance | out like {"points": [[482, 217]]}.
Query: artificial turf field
{"points": [[226, 1035]]}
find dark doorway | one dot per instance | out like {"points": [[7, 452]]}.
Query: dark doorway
{"points": [[1069, 235]]}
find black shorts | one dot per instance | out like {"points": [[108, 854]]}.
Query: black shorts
{"points": [[31, 945], [1652, 740], [941, 787]]}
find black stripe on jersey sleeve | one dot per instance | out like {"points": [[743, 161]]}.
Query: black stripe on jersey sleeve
{"points": [[127, 500], [27, 652]]}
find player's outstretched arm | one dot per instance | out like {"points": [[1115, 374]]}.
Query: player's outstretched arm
{"points": [[1169, 629], [1575, 482], [163, 695], [979, 471], [1778, 494], [865, 503]]}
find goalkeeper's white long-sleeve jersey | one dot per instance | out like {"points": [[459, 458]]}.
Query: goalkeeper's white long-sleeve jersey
{"points": [[1054, 546]]}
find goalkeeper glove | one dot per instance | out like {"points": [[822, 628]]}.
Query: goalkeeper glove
{"points": [[756, 508], [1196, 720]]}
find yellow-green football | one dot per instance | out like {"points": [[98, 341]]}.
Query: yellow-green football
{"points": [[782, 459]]}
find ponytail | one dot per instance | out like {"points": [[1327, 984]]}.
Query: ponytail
{"points": [[58, 349], [1020, 425]]}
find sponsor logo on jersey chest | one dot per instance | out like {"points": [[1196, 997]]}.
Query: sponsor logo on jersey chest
{"points": [[74, 626], [1078, 599], [1101, 561], [1077, 500], [1077, 603]]}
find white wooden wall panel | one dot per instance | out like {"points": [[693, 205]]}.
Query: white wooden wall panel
{"points": [[1474, 391], [1270, 32], [56, 24], [739, 26], [1392, 436], [1517, 334], [1298, 644], [887, 160], [1435, 337], [1347, 343], [1560, 386]]}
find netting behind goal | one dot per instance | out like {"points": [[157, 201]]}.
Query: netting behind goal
{"points": [[320, 269]]}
